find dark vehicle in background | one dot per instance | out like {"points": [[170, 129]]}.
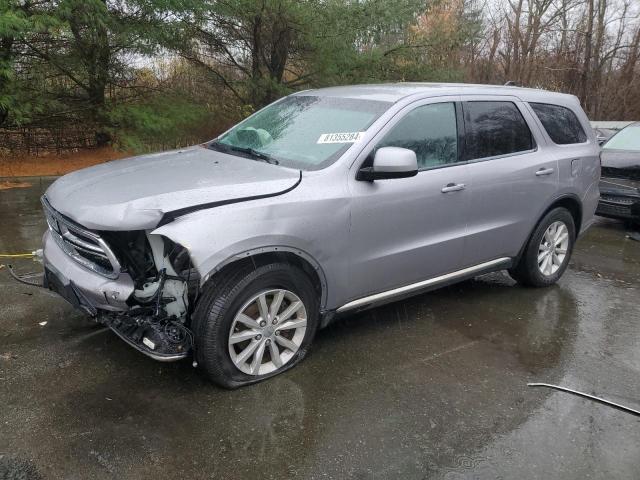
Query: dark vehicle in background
{"points": [[620, 180], [603, 134]]}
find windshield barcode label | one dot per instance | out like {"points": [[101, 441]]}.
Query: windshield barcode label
{"points": [[344, 137]]}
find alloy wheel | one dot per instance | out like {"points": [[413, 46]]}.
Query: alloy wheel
{"points": [[552, 251], [267, 331]]}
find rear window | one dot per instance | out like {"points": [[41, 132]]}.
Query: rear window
{"points": [[494, 128], [561, 124]]}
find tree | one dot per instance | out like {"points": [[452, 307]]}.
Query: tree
{"points": [[260, 50], [74, 51], [16, 22], [158, 73]]}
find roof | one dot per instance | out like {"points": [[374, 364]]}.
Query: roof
{"points": [[393, 92]]}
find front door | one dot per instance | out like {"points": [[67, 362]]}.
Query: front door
{"points": [[407, 230]]}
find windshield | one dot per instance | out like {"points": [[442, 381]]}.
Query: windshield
{"points": [[305, 132], [626, 139]]}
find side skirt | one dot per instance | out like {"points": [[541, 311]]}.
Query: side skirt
{"points": [[425, 285]]}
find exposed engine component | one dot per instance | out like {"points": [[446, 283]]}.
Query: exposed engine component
{"points": [[156, 323], [165, 339], [170, 286]]}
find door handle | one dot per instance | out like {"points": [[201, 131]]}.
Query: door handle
{"points": [[453, 187], [544, 171]]}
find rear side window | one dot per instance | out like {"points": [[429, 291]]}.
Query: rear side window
{"points": [[494, 128], [561, 124]]}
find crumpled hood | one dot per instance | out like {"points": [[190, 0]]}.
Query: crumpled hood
{"points": [[135, 193]]}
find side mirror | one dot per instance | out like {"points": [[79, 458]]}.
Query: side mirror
{"points": [[390, 162]]}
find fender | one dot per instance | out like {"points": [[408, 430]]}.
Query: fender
{"points": [[293, 222]]}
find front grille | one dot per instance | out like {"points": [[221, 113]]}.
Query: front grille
{"points": [[84, 246], [609, 209], [618, 200]]}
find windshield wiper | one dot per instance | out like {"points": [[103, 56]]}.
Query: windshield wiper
{"points": [[253, 153]]}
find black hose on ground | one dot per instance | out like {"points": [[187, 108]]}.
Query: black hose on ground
{"points": [[21, 279]]}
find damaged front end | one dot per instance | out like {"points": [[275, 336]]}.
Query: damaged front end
{"points": [[620, 177], [620, 193], [156, 322], [140, 285]]}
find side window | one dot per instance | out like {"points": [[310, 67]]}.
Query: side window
{"points": [[430, 131], [494, 128], [561, 124]]}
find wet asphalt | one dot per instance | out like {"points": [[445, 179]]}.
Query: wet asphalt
{"points": [[431, 387]]}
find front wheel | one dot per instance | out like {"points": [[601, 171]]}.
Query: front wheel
{"points": [[547, 253], [252, 324]]}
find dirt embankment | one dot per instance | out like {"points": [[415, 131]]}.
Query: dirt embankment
{"points": [[52, 164]]}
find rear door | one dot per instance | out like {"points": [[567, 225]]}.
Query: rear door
{"points": [[565, 128], [512, 179]]}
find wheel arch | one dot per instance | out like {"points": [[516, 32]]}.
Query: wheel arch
{"points": [[572, 203], [273, 254], [569, 201]]}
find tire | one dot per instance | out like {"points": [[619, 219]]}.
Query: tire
{"points": [[528, 271], [226, 296]]}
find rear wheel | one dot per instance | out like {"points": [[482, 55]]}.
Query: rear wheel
{"points": [[252, 324], [547, 253]]}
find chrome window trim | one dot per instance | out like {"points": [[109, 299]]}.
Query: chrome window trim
{"points": [[504, 155], [65, 233]]}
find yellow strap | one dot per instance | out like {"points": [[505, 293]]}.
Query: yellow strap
{"points": [[15, 255]]}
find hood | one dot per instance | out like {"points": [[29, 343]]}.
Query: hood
{"points": [[136, 193], [620, 164]]}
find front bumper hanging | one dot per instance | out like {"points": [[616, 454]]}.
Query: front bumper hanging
{"points": [[164, 339]]}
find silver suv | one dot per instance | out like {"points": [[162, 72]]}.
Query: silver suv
{"points": [[323, 203]]}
